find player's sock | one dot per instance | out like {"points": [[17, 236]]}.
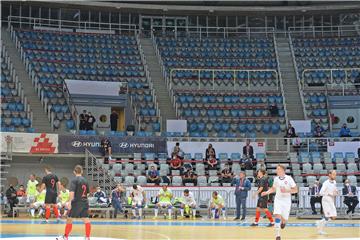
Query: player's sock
{"points": [[68, 229], [194, 212], [257, 216], [182, 212], [56, 211], [169, 211], [213, 212], [156, 211], [87, 229], [65, 212], [133, 210], [32, 212], [268, 214], [223, 212], [47, 213], [41, 211], [277, 227]]}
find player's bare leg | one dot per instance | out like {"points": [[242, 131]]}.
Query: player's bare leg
{"points": [[321, 224], [278, 221], [258, 214]]}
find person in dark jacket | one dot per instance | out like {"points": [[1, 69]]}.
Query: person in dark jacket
{"points": [[116, 199], [290, 133], [113, 121], [314, 192], [350, 199], [242, 187], [11, 197]]}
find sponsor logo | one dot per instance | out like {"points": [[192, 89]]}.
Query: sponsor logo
{"points": [[43, 145], [78, 144], [136, 145]]}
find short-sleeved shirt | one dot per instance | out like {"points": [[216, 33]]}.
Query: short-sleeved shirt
{"points": [[286, 182], [137, 193], [31, 188], [40, 197], [328, 188], [50, 182], [264, 183], [189, 199], [64, 196], [165, 196], [80, 187], [218, 200]]}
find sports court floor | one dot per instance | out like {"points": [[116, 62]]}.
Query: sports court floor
{"points": [[187, 229]]}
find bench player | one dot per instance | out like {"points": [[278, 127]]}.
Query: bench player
{"points": [[138, 198], [187, 202], [217, 203], [165, 195], [64, 199]]}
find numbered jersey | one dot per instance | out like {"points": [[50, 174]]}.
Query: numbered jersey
{"points": [[50, 182], [286, 182], [80, 187]]}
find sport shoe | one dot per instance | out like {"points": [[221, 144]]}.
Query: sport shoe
{"points": [[254, 225], [278, 238], [154, 218], [62, 238], [318, 224], [322, 233]]}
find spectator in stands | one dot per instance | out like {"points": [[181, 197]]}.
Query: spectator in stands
{"points": [[100, 196], [226, 175], [248, 150], [189, 177], [242, 186], [83, 120], [274, 110], [153, 176], [319, 131], [357, 83], [212, 163], [90, 122], [12, 199], [345, 131], [106, 149], [314, 192], [350, 200], [210, 152], [290, 133], [177, 152], [31, 189], [113, 121], [175, 163], [116, 199]]}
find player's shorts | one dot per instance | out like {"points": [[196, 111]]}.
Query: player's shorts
{"points": [[136, 202], [190, 204], [282, 208], [164, 204], [328, 205], [262, 202], [38, 204], [50, 197], [63, 205], [30, 199], [79, 210]]}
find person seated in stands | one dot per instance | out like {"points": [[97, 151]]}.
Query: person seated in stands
{"points": [[116, 196], [11, 198], [189, 177], [210, 152], [319, 131], [175, 163], [153, 176], [290, 133], [31, 189], [83, 120], [212, 163], [100, 196], [345, 131], [106, 149], [351, 198], [64, 199], [177, 152], [315, 197], [226, 175], [274, 110], [90, 122]]}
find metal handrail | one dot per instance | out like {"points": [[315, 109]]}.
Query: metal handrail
{"points": [[338, 30]]}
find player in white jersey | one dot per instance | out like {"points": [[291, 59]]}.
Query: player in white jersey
{"points": [[138, 198], [187, 202], [284, 185], [328, 192]]}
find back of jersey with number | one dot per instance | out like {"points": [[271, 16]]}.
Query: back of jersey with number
{"points": [[80, 187], [50, 182]]}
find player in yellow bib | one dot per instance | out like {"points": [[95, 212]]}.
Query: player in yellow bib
{"points": [[39, 202], [165, 195], [31, 191], [64, 199], [217, 203]]}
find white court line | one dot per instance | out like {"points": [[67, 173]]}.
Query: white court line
{"points": [[159, 234]]}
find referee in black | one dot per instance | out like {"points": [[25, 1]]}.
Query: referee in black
{"points": [[79, 207]]}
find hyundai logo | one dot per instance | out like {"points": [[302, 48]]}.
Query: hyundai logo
{"points": [[76, 144], [123, 145]]}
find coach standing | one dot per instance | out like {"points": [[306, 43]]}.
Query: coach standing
{"points": [[242, 186]]}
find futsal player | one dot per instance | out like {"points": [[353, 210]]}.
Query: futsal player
{"points": [[188, 202], [64, 199], [328, 192], [165, 195], [263, 186], [39, 202], [284, 185], [31, 189], [79, 204], [52, 185], [138, 198], [217, 204]]}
